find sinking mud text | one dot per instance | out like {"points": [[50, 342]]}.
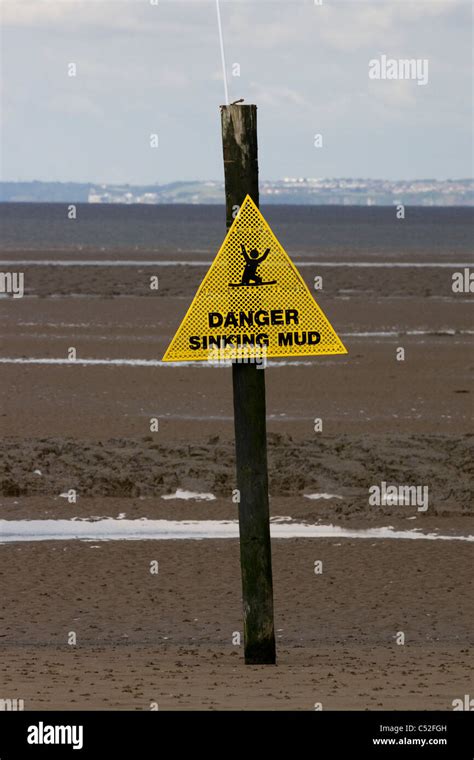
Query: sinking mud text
{"points": [[251, 321]]}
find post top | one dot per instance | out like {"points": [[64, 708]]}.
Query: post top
{"points": [[238, 104]]}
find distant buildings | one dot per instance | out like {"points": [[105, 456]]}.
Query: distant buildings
{"points": [[290, 190], [369, 192]]}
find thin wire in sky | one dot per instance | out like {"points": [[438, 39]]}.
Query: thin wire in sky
{"points": [[221, 40]]}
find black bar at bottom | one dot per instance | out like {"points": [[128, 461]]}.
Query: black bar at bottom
{"points": [[151, 734]]}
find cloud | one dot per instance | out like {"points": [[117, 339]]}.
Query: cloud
{"points": [[37, 13], [278, 95], [389, 97], [107, 16], [354, 28], [142, 67]]}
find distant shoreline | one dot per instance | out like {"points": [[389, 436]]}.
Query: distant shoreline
{"points": [[289, 191], [263, 203]]}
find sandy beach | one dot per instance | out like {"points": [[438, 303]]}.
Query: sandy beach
{"points": [[168, 638]]}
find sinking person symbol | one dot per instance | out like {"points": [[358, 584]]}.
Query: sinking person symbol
{"points": [[250, 278]]}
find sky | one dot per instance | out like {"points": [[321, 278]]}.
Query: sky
{"points": [[147, 67]]}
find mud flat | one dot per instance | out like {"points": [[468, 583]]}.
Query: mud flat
{"points": [[85, 426], [167, 638]]}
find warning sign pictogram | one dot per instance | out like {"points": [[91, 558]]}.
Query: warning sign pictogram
{"points": [[252, 302]]}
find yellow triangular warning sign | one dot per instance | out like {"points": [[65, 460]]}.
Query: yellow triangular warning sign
{"points": [[252, 302]]}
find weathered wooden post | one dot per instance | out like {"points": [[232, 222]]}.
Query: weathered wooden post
{"points": [[294, 325], [239, 138]]}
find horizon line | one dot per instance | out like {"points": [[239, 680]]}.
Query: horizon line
{"points": [[221, 182]]}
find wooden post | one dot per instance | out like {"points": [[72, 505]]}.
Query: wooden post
{"points": [[239, 138]]}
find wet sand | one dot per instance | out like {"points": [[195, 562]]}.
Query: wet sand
{"points": [[168, 638]]}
